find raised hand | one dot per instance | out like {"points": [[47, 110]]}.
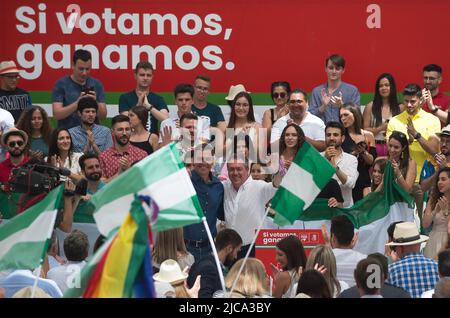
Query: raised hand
{"points": [[332, 202], [321, 269], [443, 203], [337, 100], [325, 97], [124, 163]]}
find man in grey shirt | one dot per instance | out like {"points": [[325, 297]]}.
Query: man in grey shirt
{"points": [[327, 98]]}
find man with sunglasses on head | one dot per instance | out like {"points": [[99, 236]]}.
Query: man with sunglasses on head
{"points": [[13, 99], [15, 141], [312, 126]]}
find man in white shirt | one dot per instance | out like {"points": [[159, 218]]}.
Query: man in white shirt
{"points": [[312, 126], [245, 201], [342, 239], [6, 123], [76, 248], [346, 165]]}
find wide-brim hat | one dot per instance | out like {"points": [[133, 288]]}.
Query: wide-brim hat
{"points": [[14, 131], [406, 233], [234, 90], [7, 67], [170, 272], [444, 132]]}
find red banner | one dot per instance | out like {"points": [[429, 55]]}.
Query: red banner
{"points": [[265, 245], [253, 42]]}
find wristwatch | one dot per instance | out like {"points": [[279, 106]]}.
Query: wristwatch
{"points": [[418, 136], [434, 110]]}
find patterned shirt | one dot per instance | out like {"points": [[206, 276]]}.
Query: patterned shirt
{"points": [[109, 160], [102, 137], [415, 273]]}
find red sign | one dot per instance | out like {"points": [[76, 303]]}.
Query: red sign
{"points": [[265, 245], [252, 42]]}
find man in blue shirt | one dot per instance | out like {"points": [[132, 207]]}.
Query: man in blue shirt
{"points": [[89, 136], [142, 96], [327, 98], [70, 89], [413, 272], [210, 193]]}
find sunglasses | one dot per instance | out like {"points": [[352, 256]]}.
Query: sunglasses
{"points": [[12, 144], [279, 95]]}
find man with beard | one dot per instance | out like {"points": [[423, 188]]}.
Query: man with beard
{"points": [[142, 96], [14, 141], [228, 243], [441, 160], [346, 165], [439, 103], [312, 126], [122, 155], [89, 136]]}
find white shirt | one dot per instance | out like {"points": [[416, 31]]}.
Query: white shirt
{"points": [[349, 165], [6, 123], [203, 124], [65, 276], [312, 126], [346, 261], [428, 294], [245, 208]]}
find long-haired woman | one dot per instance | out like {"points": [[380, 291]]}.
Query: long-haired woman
{"points": [[404, 167]]}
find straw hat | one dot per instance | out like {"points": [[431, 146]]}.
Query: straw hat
{"points": [[444, 132], [170, 272], [406, 233], [7, 67], [14, 131], [234, 90]]}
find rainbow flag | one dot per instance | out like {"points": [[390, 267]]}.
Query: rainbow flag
{"points": [[122, 267]]}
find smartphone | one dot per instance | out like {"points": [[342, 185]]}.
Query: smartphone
{"points": [[88, 89]]}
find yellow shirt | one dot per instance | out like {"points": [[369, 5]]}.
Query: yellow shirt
{"points": [[426, 124]]}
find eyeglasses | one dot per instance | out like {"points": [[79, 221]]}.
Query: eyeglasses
{"points": [[279, 95], [293, 102], [12, 144]]}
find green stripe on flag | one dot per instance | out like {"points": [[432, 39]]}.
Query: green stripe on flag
{"points": [[285, 202]]}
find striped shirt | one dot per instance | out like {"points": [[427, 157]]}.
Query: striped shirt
{"points": [[102, 137], [415, 273]]}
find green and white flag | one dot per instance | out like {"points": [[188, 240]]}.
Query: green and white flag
{"points": [[24, 238], [163, 177], [308, 174]]}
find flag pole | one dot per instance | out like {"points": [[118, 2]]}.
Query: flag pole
{"points": [[248, 251], [33, 291], [216, 256]]}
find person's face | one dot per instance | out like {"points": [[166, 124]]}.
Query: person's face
{"points": [[134, 119], [36, 120], [445, 145], [412, 104], [87, 116], [281, 258], [122, 133], [443, 183], [347, 117], [201, 89], [232, 255], [431, 80], [81, 70], [203, 162], [184, 102], [256, 172], [92, 169], [280, 96], [237, 173], [241, 107], [394, 149], [385, 87], [291, 137], [333, 137], [9, 81], [63, 141], [377, 175], [16, 146], [190, 125], [241, 148], [334, 72], [297, 105], [143, 77]]}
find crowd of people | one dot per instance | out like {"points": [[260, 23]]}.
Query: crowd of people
{"points": [[235, 167]]}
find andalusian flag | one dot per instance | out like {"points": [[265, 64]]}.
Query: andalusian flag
{"points": [[308, 174], [163, 177], [372, 215], [122, 267], [24, 238]]}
